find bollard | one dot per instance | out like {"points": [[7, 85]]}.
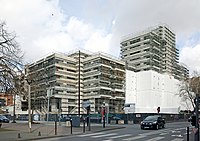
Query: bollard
{"points": [[188, 133], [104, 122], [56, 125], [18, 136], [0, 125], [83, 125], [39, 133], [89, 122], [71, 125]]}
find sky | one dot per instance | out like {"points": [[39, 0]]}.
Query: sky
{"points": [[46, 26]]}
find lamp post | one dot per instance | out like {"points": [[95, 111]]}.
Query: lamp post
{"points": [[197, 114], [29, 106], [14, 115], [49, 94], [29, 103]]}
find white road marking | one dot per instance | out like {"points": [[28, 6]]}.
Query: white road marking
{"points": [[90, 134], [104, 135], [176, 131], [134, 138], [120, 136], [155, 132], [180, 136], [155, 139], [162, 134], [177, 139]]}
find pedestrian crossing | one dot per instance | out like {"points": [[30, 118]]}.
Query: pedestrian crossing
{"points": [[150, 136]]}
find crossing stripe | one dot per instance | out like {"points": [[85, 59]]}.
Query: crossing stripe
{"points": [[134, 138], [120, 136], [155, 139], [104, 135], [85, 135], [162, 134], [155, 132], [177, 139]]}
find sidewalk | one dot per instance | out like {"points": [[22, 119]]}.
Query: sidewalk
{"points": [[20, 131]]}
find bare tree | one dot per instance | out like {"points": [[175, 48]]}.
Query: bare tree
{"points": [[187, 96], [189, 89], [10, 60]]}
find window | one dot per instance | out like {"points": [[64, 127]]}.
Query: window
{"points": [[135, 41], [146, 37]]}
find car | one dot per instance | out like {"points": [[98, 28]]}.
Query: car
{"points": [[153, 122], [4, 119]]}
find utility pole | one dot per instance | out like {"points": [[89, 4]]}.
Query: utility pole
{"points": [[197, 114], [29, 102], [49, 94], [14, 115], [79, 85], [29, 106]]}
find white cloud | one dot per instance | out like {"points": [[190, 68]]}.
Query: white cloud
{"points": [[78, 30], [98, 42], [190, 57], [43, 28]]}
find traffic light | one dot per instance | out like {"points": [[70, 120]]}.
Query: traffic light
{"points": [[193, 120]]}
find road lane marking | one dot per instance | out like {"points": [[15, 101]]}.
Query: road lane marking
{"points": [[155, 132], [177, 139], [120, 136], [134, 138], [104, 135], [155, 139], [85, 135], [176, 131], [180, 136], [162, 134]]}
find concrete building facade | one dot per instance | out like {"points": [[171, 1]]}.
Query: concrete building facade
{"points": [[153, 49], [74, 78]]}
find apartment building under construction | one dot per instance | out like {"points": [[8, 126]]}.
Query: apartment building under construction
{"points": [[153, 49], [71, 79]]}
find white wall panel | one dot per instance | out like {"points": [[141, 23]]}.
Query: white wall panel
{"points": [[149, 90]]}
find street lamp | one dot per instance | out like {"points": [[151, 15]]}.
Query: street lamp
{"points": [[49, 94], [29, 107], [29, 104]]}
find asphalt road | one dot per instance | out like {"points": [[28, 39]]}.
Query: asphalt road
{"points": [[172, 132]]}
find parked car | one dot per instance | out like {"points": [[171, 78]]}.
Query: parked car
{"points": [[4, 119], [153, 122]]}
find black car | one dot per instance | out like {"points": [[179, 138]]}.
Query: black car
{"points": [[153, 122], [4, 119]]}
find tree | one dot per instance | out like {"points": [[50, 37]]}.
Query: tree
{"points": [[189, 89], [187, 96], [10, 61]]}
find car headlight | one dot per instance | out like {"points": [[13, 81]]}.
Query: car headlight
{"points": [[155, 122]]}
